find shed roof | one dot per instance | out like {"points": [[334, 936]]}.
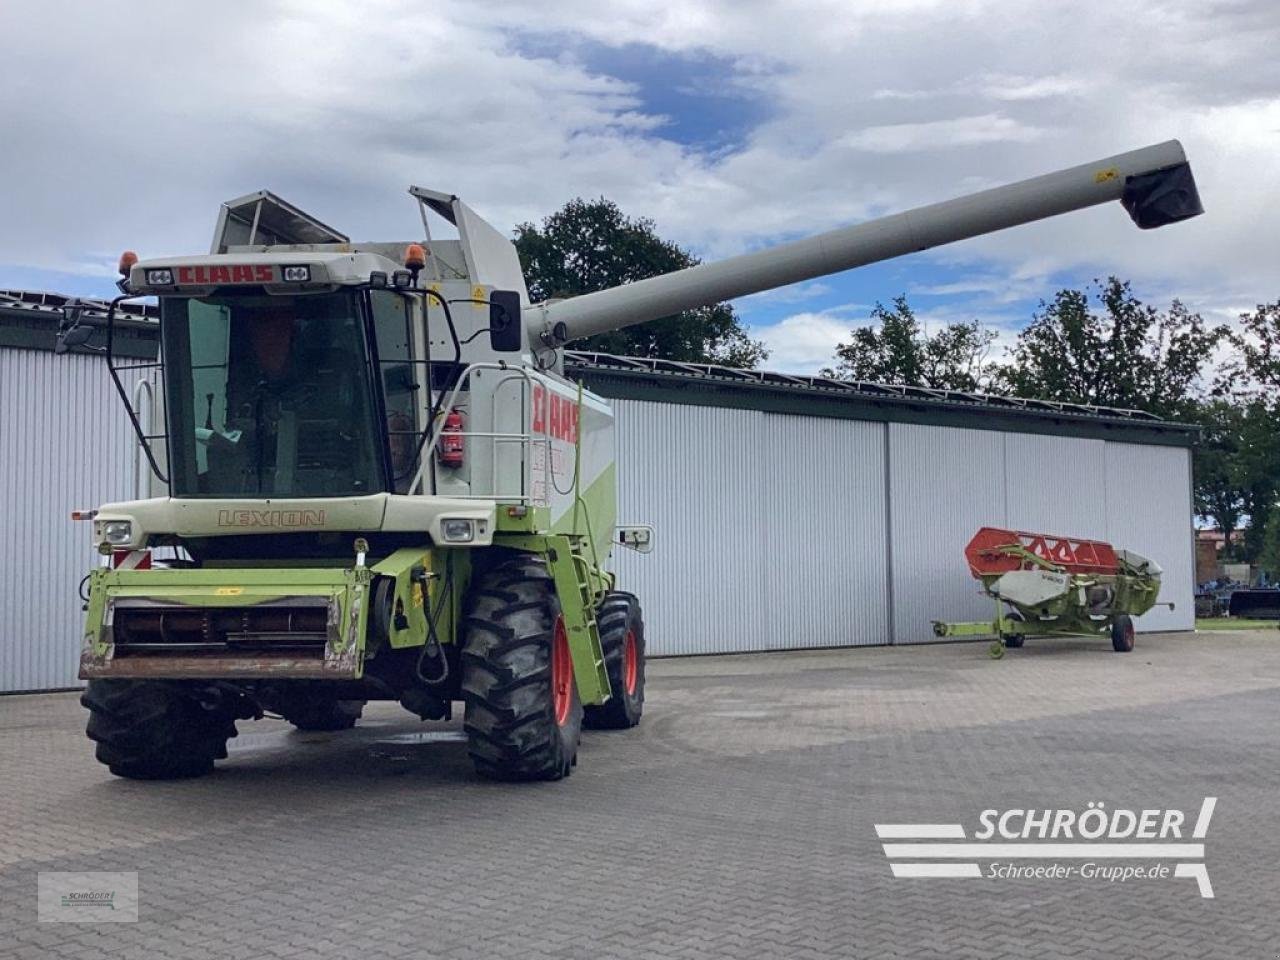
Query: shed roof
{"points": [[29, 319]]}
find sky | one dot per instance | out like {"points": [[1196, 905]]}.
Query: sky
{"points": [[733, 124]]}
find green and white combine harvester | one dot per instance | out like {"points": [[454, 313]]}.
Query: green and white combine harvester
{"points": [[369, 478], [1045, 585]]}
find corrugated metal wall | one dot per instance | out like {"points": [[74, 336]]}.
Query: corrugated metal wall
{"points": [[946, 483], [1147, 489], [774, 531], [64, 443], [760, 518]]}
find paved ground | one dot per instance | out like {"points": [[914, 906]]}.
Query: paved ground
{"points": [[737, 821]]}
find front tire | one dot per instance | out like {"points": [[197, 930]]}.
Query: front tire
{"points": [[1122, 633], [155, 730], [523, 717], [622, 641]]}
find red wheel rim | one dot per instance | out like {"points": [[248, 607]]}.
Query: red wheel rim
{"points": [[630, 663], [561, 673]]}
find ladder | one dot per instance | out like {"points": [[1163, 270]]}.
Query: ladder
{"points": [[572, 574]]}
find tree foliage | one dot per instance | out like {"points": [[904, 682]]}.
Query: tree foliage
{"points": [[1220, 489], [592, 245], [1125, 354], [897, 349], [1269, 554], [1259, 343], [1257, 463], [1251, 382]]}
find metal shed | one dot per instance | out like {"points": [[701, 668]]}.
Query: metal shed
{"points": [[791, 511], [804, 512]]}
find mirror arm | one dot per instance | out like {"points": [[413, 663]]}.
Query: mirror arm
{"points": [[124, 395]]}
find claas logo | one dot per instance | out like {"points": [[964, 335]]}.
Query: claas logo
{"points": [[229, 273], [554, 415]]}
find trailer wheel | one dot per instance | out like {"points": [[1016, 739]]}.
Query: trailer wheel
{"points": [[622, 640], [523, 717], [1122, 633], [1015, 640], [324, 714], [155, 730]]}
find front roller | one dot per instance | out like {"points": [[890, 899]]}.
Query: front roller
{"points": [[523, 718]]}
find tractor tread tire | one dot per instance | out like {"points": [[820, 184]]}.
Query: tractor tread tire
{"points": [[154, 730], [618, 613], [507, 635]]}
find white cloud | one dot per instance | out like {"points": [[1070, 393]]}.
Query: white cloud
{"points": [[941, 134], [803, 342]]}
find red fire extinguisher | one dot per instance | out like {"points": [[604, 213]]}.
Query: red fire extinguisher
{"points": [[450, 449]]}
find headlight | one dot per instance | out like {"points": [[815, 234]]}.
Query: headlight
{"points": [[117, 532], [159, 278], [458, 531], [296, 274]]}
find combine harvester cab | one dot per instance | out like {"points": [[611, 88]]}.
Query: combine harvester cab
{"points": [[371, 479], [1046, 585]]}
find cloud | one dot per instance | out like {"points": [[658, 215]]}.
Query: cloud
{"points": [[802, 342], [129, 130], [942, 134]]}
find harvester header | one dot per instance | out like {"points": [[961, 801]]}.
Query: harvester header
{"points": [[1049, 585]]}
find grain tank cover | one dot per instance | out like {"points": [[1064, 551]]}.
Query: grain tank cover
{"points": [[262, 218]]}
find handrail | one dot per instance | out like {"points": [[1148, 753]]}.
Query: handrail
{"points": [[143, 386], [438, 429]]}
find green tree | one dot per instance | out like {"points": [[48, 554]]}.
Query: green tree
{"points": [[1259, 343], [592, 245], [1126, 354], [1253, 382], [897, 349], [1269, 558], [1220, 489], [1257, 463]]}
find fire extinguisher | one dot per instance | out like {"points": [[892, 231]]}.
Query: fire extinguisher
{"points": [[450, 449]]}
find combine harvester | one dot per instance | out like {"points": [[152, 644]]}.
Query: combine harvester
{"points": [[1056, 586], [378, 484]]}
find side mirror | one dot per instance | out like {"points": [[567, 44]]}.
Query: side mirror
{"points": [[72, 331], [505, 330], [638, 538]]}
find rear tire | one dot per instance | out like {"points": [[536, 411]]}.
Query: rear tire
{"points": [[154, 729], [1122, 633], [523, 717], [622, 640]]}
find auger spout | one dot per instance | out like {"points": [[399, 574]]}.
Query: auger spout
{"points": [[1153, 183]]}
